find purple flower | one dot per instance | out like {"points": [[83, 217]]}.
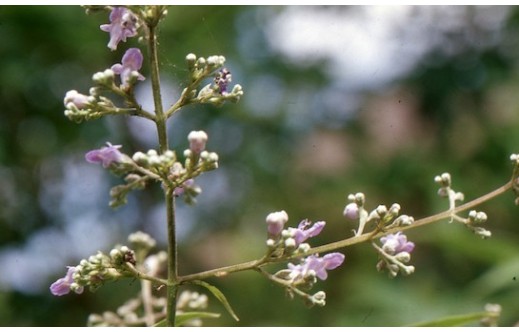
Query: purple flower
{"points": [[351, 211], [276, 222], [178, 191], [396, 243], [222, 80], [304, 231], [123, 24], [197, 141], [62, 286], [105, 156], [131, 62], [77, 99], [317, 265]]}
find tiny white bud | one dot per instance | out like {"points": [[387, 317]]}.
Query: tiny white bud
{"points": [[407, 270], [191, 57], [114, 253], [290, 243], [303, 247], [139, 157], [403, 257], [154, 160]]}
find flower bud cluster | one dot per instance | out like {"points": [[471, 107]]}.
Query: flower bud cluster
{"points": [[395, 254], [299, 278], [79, 107], [383, 217], [283, 242], [131, 313], [474, 218], [159, 164], [215, 93], [100, 268]]}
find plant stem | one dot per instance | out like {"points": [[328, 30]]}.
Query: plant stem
{"points": [[173, 282], [347, 242], [160, 119]]}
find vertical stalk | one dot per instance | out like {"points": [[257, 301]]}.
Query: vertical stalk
{"points": [[160, 119], [172, 288]]}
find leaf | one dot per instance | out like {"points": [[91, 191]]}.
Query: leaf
{"points": [[218, 294], [184, 317], [457, 320]]}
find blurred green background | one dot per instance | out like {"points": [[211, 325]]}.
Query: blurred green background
{"points": [[337, 100]]}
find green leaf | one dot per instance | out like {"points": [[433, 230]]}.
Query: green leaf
{"points": [[457, 320], [218, 294], [184, 317]]}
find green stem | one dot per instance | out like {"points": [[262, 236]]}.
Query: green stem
{"points": [[346, 242], [160, 119], [173, 280]]}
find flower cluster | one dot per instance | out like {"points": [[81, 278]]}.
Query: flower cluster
{"points": [[215, 93], [394, 254], [283, 242], [382, 217], [474, 219], [291, 240], [79, 107], [165, 167], [94, 271]]}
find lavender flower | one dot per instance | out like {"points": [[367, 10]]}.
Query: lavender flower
{"points": [[131, 62], [396, 243], [316, 265], [178, 191], [276, 222], [304, 231], [351, 211], [123, 24], [105, 156], [197, 141], [222, 80], [79, 100], [62, 286]]}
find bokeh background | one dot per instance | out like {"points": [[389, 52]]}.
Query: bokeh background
{"points": [[337, 100]]}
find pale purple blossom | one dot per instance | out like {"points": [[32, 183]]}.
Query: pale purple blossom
{"points": [[105, 156], [304, 231], [62, 286], [351, 211], [79, 100], [197, 141], [123, 24], [178, 191], [131, 62], [276, 222], [396, 243], [222, 80], [316, 265]]}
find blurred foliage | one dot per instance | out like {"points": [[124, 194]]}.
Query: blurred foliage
{"points": [[456, 111]]}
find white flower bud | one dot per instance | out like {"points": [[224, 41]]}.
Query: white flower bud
{"points": [[403, 257], [139, 157], [407, 270], [290, 243]]}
